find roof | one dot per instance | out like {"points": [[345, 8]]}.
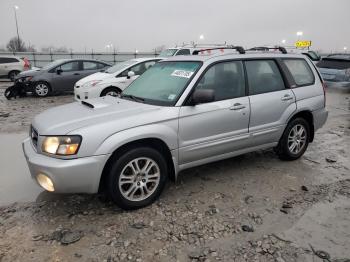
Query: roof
{"points": [[143, 59]]}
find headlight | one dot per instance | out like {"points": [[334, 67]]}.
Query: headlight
{"points": [[91, 83], [61, 145]]}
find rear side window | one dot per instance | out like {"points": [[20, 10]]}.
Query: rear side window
{"points": [[6, 60], [334, 63], [263, 77], [300, 71], [89, 65]]}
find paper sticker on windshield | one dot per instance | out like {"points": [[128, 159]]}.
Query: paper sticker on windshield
{"points": [[171, 97], [182, 73]]}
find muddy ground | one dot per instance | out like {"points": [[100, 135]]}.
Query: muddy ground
{"points": [[248, 208]]}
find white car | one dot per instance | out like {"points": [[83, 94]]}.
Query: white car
{"points": [[188, 49], [112, 81], [10, 66]]}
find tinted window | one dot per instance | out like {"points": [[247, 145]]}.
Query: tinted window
{"points": [[5, 60], [184, 52], [333, 63], [263, 77], [88, 65], [100, 65], [300, 71], [226, 79], [71, 66]]}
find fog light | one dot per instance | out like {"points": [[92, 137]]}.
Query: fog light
{"points": [[45, 182]]}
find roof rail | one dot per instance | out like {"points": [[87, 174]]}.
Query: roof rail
{"points": [[239, 49], [265, 48]]}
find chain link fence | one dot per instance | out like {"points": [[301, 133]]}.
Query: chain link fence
{"points": [[39, 59]]}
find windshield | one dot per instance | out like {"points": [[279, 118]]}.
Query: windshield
{"points": [[53, 64], [167, 52], [163, 83], [120, 66], [333, 64]]}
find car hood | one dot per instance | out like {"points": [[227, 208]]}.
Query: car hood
{"points": [[100, 113], [32, 72], [95, 76]]}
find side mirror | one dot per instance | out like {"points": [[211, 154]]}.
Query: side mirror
{"points": [[59, 71], [201, 96], [130, 74]]}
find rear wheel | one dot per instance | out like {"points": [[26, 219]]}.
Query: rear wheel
{"points": [[137, 178], [42, 89], [295, 140], [12, 75], [111, 91]]}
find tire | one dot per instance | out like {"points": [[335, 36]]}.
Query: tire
{"points": [[41, 89], [12, 75], [295, 140], [112, 91], [127, 188]]}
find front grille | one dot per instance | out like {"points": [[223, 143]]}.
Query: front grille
{"points": [[34, 136]]}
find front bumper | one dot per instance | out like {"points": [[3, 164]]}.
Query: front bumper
{"points": [[80, 175], [82, 94]]}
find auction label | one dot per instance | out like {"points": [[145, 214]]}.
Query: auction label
{"points": [[182, 73]]}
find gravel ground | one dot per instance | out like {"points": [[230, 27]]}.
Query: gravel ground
{"points": [[249, 208]]}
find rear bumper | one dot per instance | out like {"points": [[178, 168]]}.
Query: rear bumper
{"points": [[320, 117], [81, 175]]}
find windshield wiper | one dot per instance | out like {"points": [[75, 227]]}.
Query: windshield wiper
{"points": [[134, 98]]}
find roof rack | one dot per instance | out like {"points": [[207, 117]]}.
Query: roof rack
{"points": [[265, 48], [239, 49]]}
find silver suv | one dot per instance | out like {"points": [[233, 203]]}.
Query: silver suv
{"points": [[183, 112]]}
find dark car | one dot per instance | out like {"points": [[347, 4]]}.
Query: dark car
{"points": [[59, 76], [335, 70]]}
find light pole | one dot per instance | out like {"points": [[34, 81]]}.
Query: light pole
{"points": [[201, 37], [283, 41], [345, 48], [15, 8], [299, 34]]}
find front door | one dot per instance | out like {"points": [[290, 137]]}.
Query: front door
{"points": [[70, 73], [213, 129]]}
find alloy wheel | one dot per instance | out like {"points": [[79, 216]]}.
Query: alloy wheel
{"points": [[297, 139]]}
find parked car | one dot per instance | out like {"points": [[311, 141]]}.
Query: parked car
{"points": [[335, 70], [10, 66], [187, 49], [59, 76], [112, 81], [183, 112]]}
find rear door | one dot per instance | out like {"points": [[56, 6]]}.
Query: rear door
{"points": [[213, 129], [71, 72], [271, 100]]}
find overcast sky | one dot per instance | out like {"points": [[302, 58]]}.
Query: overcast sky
{"points": [[146, 24]]}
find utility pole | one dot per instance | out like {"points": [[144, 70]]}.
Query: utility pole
{"points": [[15, 8]]}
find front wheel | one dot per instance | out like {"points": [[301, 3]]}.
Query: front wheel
{"points": [[41, 89], [12, 75], [137, 178], [295, 140], [111, 91]]}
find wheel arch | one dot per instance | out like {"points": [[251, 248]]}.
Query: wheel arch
{"points": [[308, 116], [13, 70], [152, 142]]}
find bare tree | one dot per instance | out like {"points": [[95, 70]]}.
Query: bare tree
{"points": [[54, 49], [16, 45], [159, 49], [31, 48]]}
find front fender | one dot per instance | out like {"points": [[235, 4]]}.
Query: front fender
{"points": [[166, 133]]}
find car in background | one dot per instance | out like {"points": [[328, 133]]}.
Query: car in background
{"points": [[187, 49], [335, 70], [59, 76], [10, 66], [112, 81]]}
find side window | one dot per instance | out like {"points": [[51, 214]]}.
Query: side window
{"points": [[300, 71], [100, 65], [263, 77], [226, 79], [6, 60], [71, 66], [89, 65], [183, 52], [142, 67]]}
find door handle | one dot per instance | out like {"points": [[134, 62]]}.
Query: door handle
{"points": [[286, 97], [76, 74], [237, 106]]}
